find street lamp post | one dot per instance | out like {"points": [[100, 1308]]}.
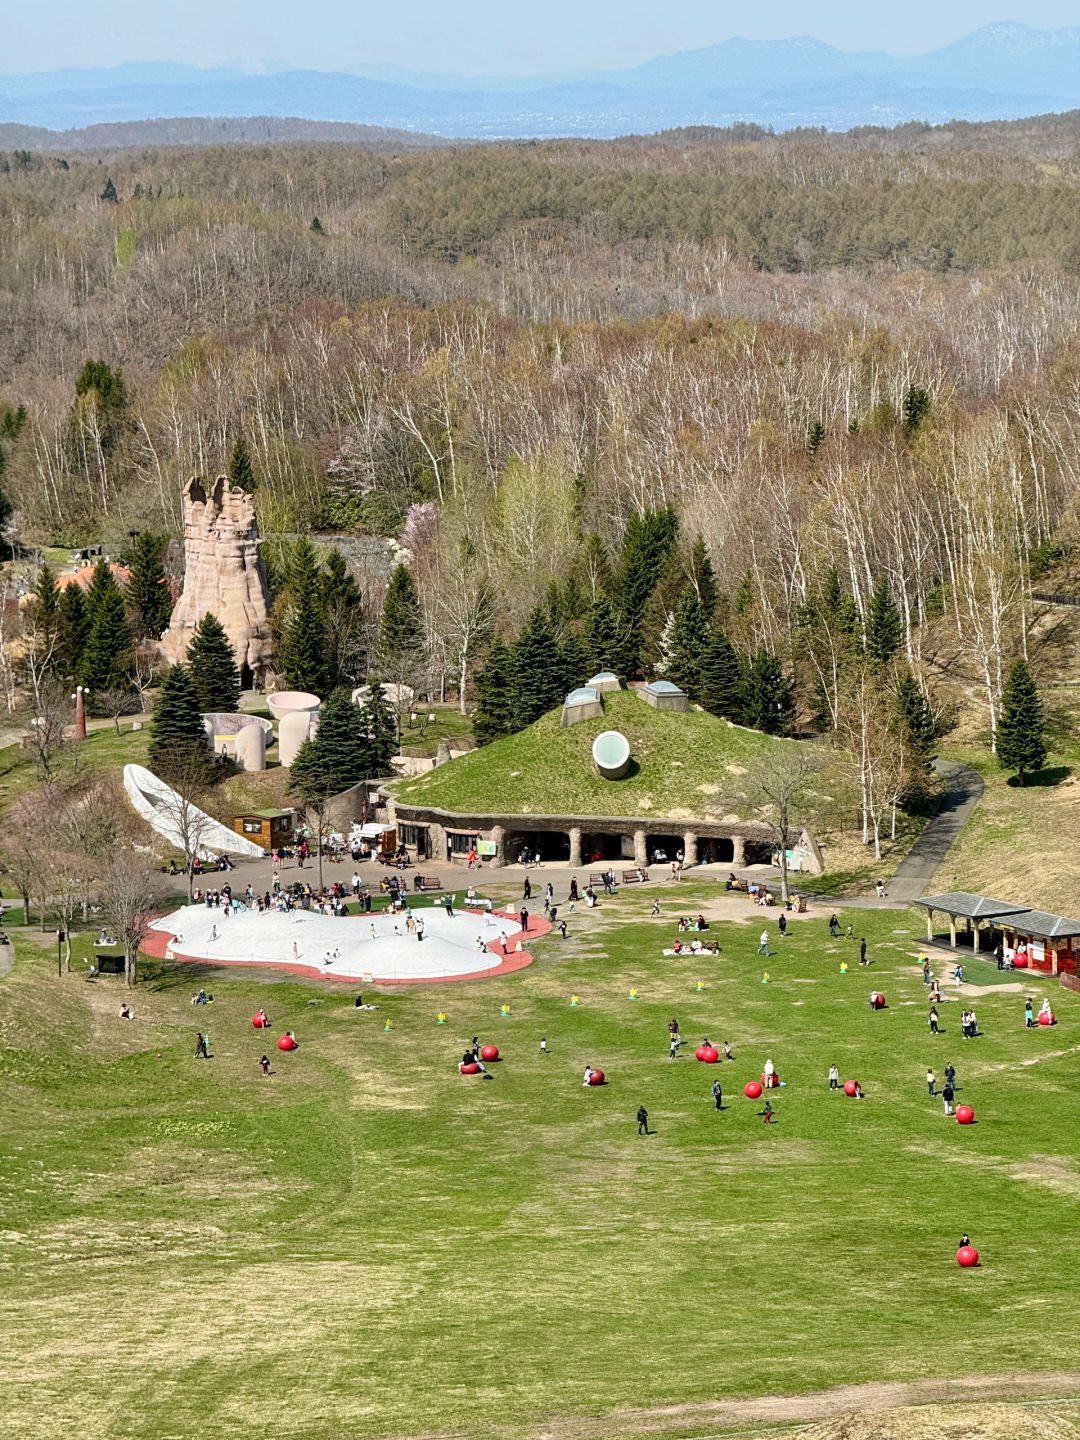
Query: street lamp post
{"points": [[61, 936]]}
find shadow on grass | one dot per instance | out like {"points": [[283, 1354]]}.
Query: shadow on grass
{"points": [[1041, 779]]}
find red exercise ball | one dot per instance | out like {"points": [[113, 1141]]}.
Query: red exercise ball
{"points": [[1045, 1019], [965, 1115], [967, 1256], [752, 1091], [471, 1069], [596, 1078], [851, 1087], [259, 1020], [708, 1054], [286, 1042], [771, 1082], [1020, 962], [879, 1001], [489, 1052], [699, 1053]]}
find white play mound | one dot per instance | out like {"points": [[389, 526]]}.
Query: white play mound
{"points": [[303, 938]]}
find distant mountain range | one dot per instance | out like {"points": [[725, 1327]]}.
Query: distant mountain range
{"points": [[1002, 71]]}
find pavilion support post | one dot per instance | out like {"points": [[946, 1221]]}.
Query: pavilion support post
{"points": [[929, 926], [641, 849], [975, 937], [1053, 960], [952, 931], [575, 846], [738, 850], [690, 848], [498, 835]]}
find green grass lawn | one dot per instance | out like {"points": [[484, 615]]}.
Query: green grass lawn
{"points": [[682, 765], [367, 1244], [103, 749]]}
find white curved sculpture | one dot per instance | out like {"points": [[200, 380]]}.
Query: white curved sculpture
{"points": [[250, 747], [291, 702], [162, 808], [296, 727]]}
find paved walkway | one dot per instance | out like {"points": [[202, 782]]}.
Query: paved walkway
{"points": [[924, 859]]}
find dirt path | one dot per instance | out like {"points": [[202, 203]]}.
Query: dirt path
{"points": [[817, 1405]]}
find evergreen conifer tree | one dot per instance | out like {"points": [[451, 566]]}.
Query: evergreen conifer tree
{"points": [[1021, 730], [768, 697], [304, 644], [746, 594], [106, 660], [343, 613], [47, 605], [648, 550], [147, 594], [537, 682], [342, 743], [211, 663], [401, 632], [884, 627], [703, 579], [605, 637], [176, 727], [109, 195], [241, 470], [573, 662], [687, 641], [721, 685], [493, 715], [74, 628], [915, 717], [382, 729]]}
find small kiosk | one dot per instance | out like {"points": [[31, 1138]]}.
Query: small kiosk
{"points": [[268, 828]]}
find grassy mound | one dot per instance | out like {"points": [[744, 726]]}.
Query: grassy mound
{"points": [[687, 766]]}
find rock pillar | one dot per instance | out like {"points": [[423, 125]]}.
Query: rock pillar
{"points": [[575, 847], [498, 835], [738, 850], [690, 848], [641, 849]]}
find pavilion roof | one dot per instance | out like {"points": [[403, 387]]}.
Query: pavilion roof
{"points": [[1044, 924], [971, 907]]}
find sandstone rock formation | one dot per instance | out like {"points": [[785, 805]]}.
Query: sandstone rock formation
{"points": [[223, 575]]}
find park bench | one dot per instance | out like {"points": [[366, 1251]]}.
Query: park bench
{"points": [[635, 876], [426, 882], [596, 877]]}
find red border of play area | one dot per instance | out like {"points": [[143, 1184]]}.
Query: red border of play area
{"points": [[156, 942]]}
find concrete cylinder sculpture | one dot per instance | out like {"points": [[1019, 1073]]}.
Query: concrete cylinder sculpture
{"points": [[295, 728], [251, 748]]}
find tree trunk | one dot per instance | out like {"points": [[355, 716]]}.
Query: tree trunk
{"points": [[131, 960]]}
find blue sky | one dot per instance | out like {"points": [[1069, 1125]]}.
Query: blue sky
{"points": [[470, 36]]}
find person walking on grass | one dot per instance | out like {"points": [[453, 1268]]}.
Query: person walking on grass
{"points": [[265, 1063], [932, 1020], [950, 1074], [673, 1048], [642, 1120], [201, 1050], [862, 952], [834, 1077], [931, 1083], [781, 924], [1029, 1013], [947, 1095], [767, 1114], [763, 943], [717, 1094]]}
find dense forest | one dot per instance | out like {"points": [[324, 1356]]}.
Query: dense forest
{"points": [[840, 367]]}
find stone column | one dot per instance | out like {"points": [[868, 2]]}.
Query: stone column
{"points": [[575, 847], [929, 926], [436, 842], [690, 848], [738, 850], [952, 931], [641, 849], [975, 937], [498, 834]]}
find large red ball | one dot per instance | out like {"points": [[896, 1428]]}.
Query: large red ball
{"points": [[700, 1052], [967, 1256], [596, 1078], [708, 1054], [286, 1042], [1045, 1019], [879, 1001], [472, 1069], [258, 1021], [965, 1115], [489, 1052], [850, 1087], [1020, 962], [752, 1091]]}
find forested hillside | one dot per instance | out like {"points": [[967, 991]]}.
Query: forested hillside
{"points": [[850, 365]]}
